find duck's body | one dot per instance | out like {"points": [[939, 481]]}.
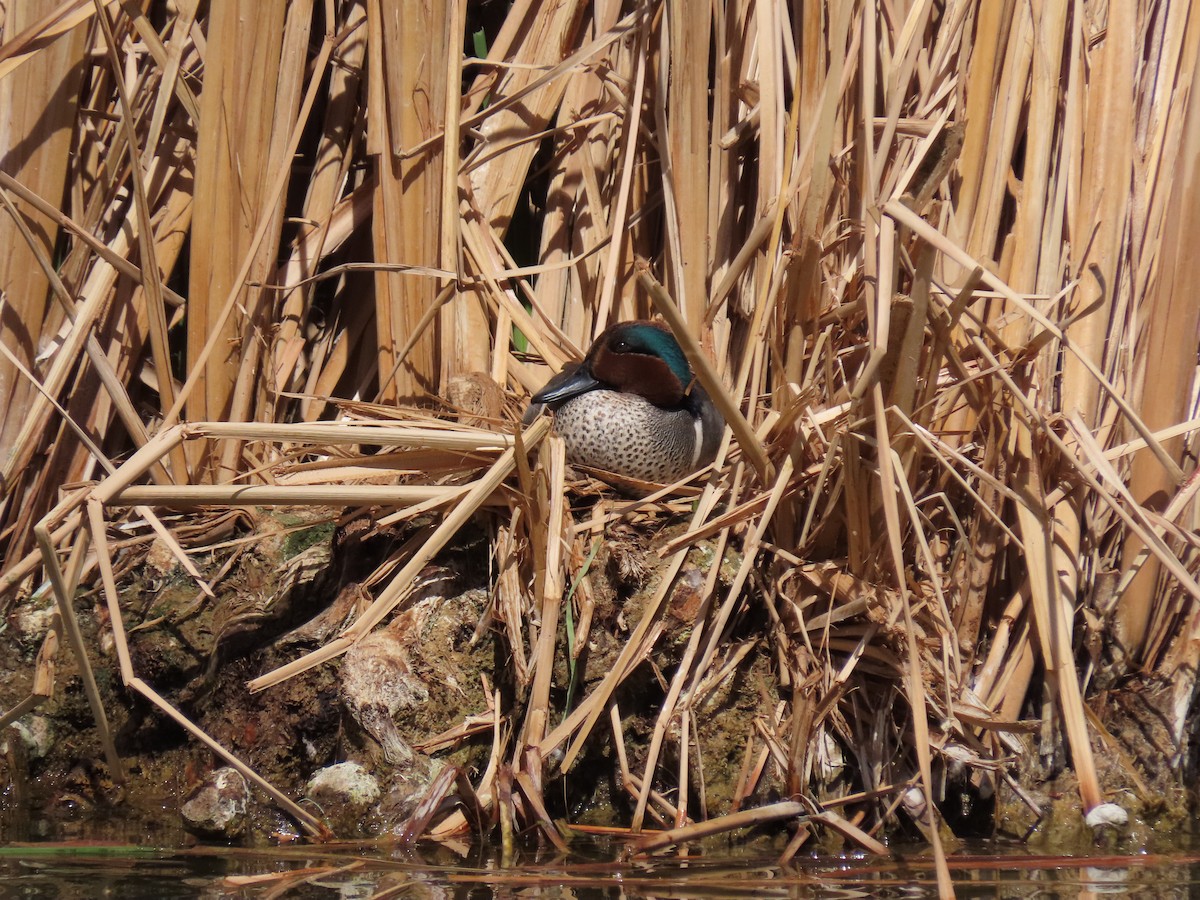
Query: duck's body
{"points": [[633, 407]]}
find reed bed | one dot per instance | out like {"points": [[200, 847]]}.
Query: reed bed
{"points": [[930, 257]]}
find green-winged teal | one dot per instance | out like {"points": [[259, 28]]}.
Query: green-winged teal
{"points": [[633, 406]]}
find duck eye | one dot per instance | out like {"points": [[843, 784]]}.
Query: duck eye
{"points": [[620, 346]]}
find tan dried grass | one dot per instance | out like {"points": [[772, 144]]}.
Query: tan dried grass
{"points": [[930, 258]]}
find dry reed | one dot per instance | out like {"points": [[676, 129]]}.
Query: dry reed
{"points": [[931, 257]]}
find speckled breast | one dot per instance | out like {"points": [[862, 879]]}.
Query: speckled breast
{"points": [[629, 435]]}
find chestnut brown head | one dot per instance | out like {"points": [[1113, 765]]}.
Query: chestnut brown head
{"points": [[638, 357], [643, 358]]}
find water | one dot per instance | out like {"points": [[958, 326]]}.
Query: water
{"points": [[124, 871]]}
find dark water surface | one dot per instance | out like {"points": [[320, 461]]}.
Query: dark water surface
{"points": [[124, 871]]}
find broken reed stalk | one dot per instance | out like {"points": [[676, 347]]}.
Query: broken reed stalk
{"points": [[553, 469], [152, 278], [28, 93], [787, 810], [1167, 385], [284, 495], [915, 680], [727, 405], [402, 581], [64, 590]]}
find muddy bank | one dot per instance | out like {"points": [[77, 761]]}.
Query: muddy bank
{"points": [[362, 740]]}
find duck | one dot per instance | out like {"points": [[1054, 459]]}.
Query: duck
{"points": [[633, 406]]}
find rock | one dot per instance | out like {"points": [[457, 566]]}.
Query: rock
{"points": [[1106, 814], [31, 619], [217, 807], [37, 732], [913, 801], [347, 783], [343, 793]]}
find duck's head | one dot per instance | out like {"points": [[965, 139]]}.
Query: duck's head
{"points": [[638, 357]]}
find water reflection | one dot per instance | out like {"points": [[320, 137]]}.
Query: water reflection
{"points": [[70, 871]]}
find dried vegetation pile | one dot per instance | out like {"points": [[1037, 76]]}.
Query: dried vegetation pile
{"points": [[936, 253]]}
